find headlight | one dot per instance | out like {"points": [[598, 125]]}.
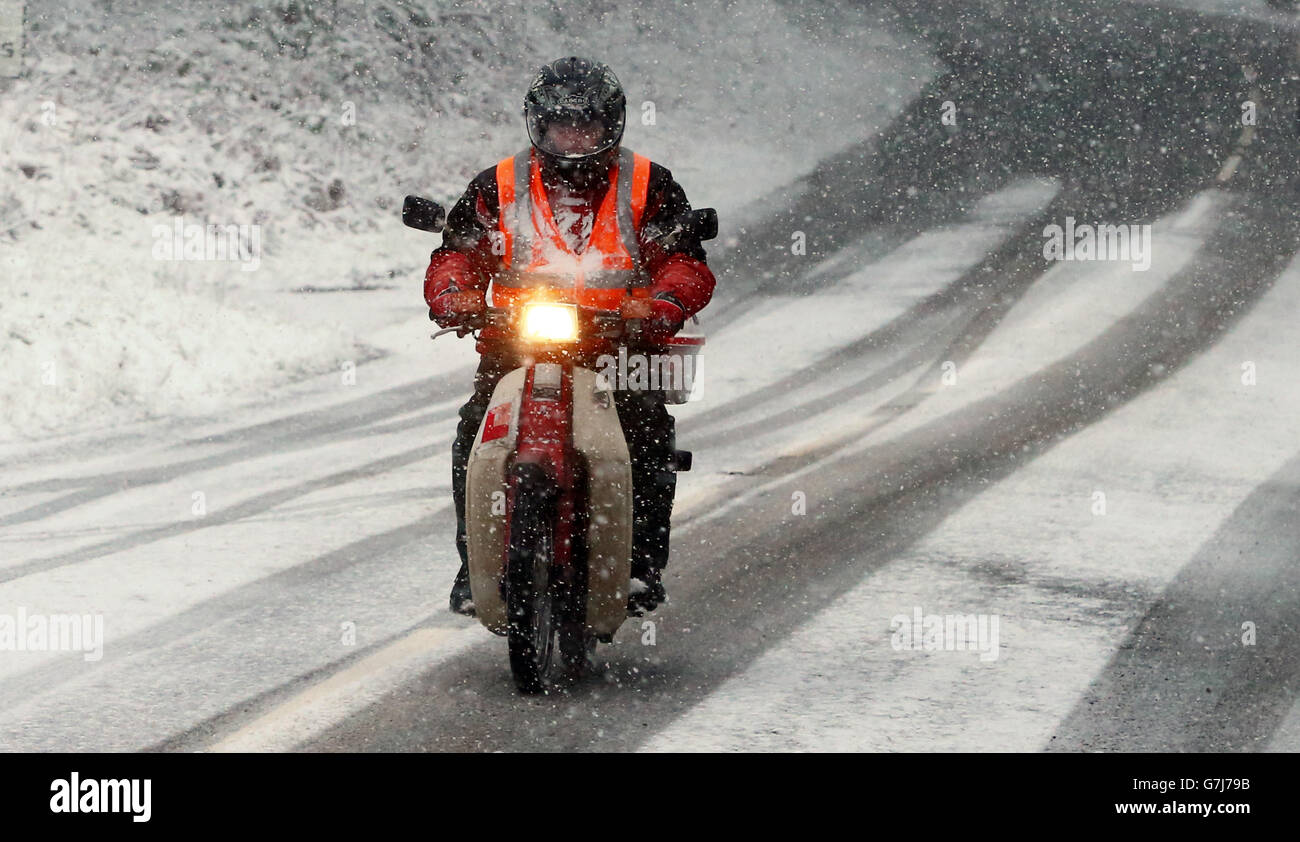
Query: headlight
{"points": [[550, 322]]}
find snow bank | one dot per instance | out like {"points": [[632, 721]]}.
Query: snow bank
{"points": [[90, 343]]}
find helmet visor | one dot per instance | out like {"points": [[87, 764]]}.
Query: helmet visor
{"points": [[570, 136]]}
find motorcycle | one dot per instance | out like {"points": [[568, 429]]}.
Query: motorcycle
{"points": [[549, 486]]}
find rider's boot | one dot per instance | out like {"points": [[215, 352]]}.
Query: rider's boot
{"points": [[647, 592], [649, 557], [462, 601]]}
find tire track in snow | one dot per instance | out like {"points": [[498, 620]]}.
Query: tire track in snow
{"points": [[1184, 679], [293, 432]]}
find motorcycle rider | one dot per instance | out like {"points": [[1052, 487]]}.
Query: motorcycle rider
{"points": [[575, 205]]}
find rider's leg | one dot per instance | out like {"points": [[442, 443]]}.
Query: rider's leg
{"points": [[649, 430], [491, 368]]}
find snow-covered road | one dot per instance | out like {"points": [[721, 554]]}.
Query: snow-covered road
{"points": [[922, 415]]}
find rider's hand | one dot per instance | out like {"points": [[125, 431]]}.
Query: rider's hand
{"points": [[636, 308], [452, 309], [662, 316]]}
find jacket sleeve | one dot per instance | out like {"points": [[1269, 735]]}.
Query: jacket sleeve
{"points": [[680, 274], [465, 260]]}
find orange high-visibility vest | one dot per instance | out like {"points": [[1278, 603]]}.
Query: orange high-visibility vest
{"points": [[535, 256]]}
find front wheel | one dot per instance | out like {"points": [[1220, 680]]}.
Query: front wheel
{"points": [[532, 595]]}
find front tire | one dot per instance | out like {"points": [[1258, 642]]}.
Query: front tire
{"points": [[532, 595]]}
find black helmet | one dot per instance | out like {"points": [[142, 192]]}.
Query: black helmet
{"points": [[575, 110]]}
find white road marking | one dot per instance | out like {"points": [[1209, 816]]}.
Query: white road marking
{"points": [[316, 708]]}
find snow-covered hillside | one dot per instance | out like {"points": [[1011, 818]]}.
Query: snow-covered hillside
{"points": [[310, 120]]}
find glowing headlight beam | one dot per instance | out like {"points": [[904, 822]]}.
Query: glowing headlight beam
{"points": [[550, 322]]}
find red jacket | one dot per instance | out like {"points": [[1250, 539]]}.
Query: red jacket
{"points": [[466, 260]]}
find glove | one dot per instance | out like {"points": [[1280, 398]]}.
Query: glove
{"points": [[685, 281], [453, 308], [663, 316], [451, 288]]}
